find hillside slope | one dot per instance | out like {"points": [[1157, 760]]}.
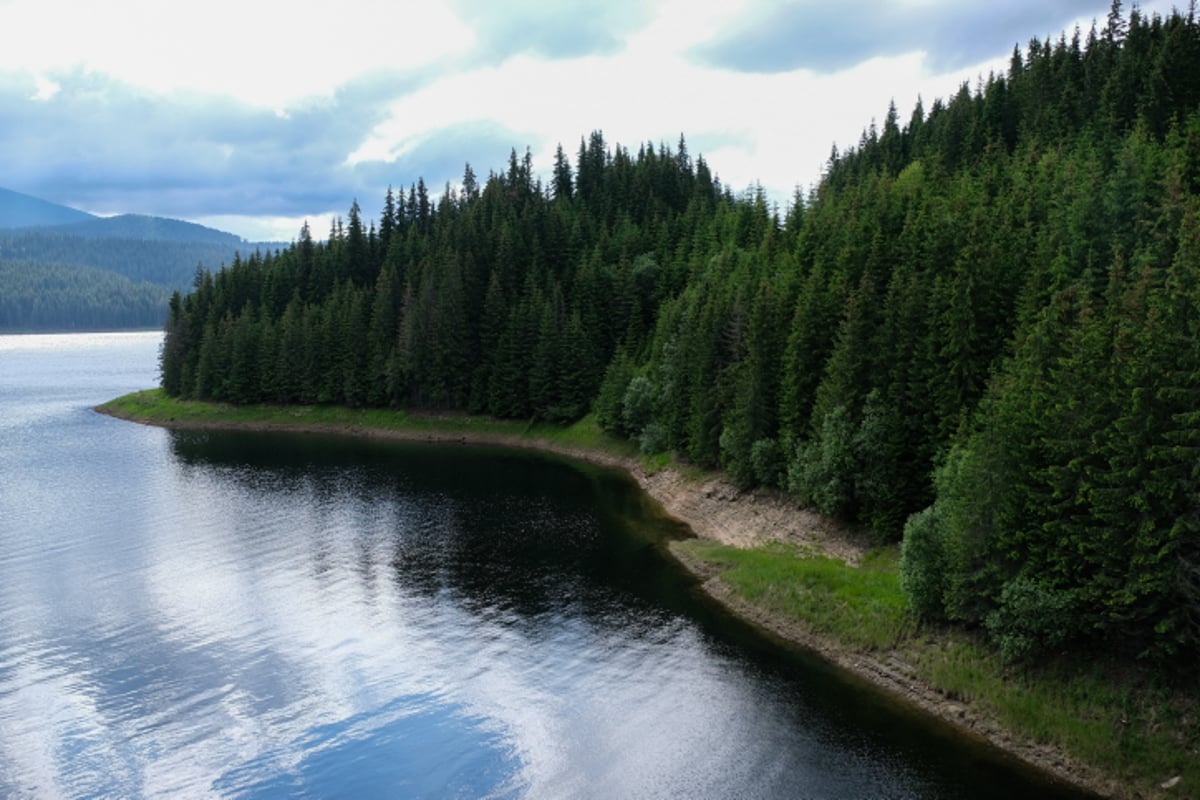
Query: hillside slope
{"points": [[19, 210]]}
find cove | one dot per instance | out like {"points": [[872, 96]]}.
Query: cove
{"points": [[242, 614]]}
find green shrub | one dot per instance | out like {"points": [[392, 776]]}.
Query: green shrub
{"points": [[1032, 618], [653, 439], [610, 399], [637, 407], [766, 460], [822, 472], [923, 563]]}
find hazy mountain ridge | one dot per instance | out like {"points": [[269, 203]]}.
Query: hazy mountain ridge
{"points": [[19, 210], [103, 268], [142, 227]]}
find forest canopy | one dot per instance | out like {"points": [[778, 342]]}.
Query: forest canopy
{"points": [[978, 333], [36, 296], [101, 273]]}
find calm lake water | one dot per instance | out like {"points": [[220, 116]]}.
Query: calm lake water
{"points": [[235, 615]]}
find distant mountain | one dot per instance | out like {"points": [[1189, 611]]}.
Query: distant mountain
{"points": [[140, 227], [22, 211], [63, 269], [166, 263]]}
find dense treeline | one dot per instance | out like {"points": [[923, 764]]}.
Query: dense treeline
{"points": [[507, 298], [64, 298], [979, 329]]}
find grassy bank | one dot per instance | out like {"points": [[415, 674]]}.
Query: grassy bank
{"points": [[1129, 731], [1119, 721], [154, 406], [863, 606]]}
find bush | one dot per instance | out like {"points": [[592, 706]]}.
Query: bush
{"points": [[766, 461], [562, 414], [611, 397], [822, 472], [923, 564], [637, 408], [653, 439], [1032, 618]]}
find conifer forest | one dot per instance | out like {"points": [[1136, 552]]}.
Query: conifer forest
{"points": [[978, 335]]}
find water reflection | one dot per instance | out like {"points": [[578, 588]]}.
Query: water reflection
{"points": [[255, 615], [520, 584]]}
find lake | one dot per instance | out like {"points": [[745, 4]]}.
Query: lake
{"points": [[253, 615]]}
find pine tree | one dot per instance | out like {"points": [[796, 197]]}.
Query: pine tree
{"points": [[381, 336], [175, 343], [563, 184]]}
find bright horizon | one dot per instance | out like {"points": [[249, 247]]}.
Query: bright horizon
{"points": [[255, 117]]}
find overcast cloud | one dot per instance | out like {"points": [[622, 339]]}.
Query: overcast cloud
{"points": [[255, 115], [827, 37]]}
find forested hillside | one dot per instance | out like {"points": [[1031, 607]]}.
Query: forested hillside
{"points": [[38, 297], [162, 262], [103, 273], [979, 331]]}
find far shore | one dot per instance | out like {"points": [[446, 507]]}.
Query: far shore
{"points": [[715, 509]]}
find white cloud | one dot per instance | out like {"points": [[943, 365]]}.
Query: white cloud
{"points": [[775, 129], [268, 228], [373, 92], [270, 53], [46, 88]]}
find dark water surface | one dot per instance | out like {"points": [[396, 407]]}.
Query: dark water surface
{"points": [[235, 615]]}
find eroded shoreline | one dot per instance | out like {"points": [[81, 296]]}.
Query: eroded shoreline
{"points": [[713, 508]]}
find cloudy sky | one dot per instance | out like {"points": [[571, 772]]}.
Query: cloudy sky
{"points": [[255, 115]]}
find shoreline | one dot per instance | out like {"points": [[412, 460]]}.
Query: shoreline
{"points": [[715, 509]]}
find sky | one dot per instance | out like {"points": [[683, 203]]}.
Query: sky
{"points": [[254, 116]]}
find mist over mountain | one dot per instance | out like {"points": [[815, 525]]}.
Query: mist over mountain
{"points": [[141, 227], [23, 211], [65, 269]]}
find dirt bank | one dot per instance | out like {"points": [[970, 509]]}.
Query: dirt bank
{"points": [[714, 508]]}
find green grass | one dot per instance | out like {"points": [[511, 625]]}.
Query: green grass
{"points": [[584, 434], [657, 462], [1102, 714], [863, 606], [1118, 719], [153, 405]]}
